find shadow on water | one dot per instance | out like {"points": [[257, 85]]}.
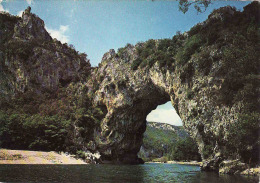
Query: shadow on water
{"points": [[115, 173]]}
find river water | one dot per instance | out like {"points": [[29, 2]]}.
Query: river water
{"points": [[152, 172]]}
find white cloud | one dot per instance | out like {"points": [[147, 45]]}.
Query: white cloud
{"points": [[20, 13], [2, 8], [29, 1], [164, 116], [64, 28], [60, 34]]}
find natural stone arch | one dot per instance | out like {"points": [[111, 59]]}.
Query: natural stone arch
{"points": [[212, 81], [200, 83], [129, 97]]}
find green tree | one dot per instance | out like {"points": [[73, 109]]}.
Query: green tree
{"points": [[199, 5], [185, 150]]}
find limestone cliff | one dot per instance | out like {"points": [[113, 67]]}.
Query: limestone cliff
{"points": [[210, 74], [34, 59]]}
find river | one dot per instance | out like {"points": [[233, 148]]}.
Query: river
{"points": [[151, 172]]}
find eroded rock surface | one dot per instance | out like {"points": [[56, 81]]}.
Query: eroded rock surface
{"points": [[208, 102]]}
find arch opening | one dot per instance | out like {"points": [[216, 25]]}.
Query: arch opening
{"points": [[165, 113], [165, 137]]}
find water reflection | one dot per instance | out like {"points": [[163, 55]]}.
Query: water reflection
{"points": [[114, 173], [206, 177]]}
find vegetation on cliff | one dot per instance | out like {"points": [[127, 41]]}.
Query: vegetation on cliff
{"points": [[40, 88], [224, 47], [167, 142]]}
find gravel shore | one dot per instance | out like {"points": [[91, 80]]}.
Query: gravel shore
{"points": [[36, 157]]}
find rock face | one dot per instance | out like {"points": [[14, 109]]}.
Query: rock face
{"points": [[202, 87], [31, 27], [36, 60], [129, 97], [232, 167], [204, 73]]}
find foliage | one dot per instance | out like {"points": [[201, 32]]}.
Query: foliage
{"points": [[45, 122], [190, 47], [204, 62], [81, 154], [186, 73], [7, 23], [243, 138], [136, 63], [185, 149], [163, 159], [199, 5], [164, 142], [189, 93], [151, 52], [34, 132], [207, 150]]}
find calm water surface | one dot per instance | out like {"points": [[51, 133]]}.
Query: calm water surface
{"points": [[151, 172]]}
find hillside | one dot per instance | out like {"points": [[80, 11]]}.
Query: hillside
{"points": [[160, 139]]}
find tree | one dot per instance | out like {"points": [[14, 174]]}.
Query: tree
{"points": [[199, 5], [185, 149]]}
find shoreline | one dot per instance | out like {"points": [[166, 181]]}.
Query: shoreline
{"points": [[8, 156], [248, 172], [193, 163]]}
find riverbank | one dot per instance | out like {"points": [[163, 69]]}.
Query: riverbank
{"points": [[196, 163], [252, 171], [36, 157]]}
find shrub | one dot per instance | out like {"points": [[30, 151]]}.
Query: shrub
{"points": [[150, 44], [164, 44], [34, 132], [136, 63], [81, 154], [185, 149], [144, 64], [207, 151], [195, 29], [204, 62], [243, 138], [187, 72], [189, 93], [120, 52], [162, 159], [190, 47]]}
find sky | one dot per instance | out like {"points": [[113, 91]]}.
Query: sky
{"points": [[94, 26]]}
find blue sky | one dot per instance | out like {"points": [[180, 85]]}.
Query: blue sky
{"points": [[94, 27]]}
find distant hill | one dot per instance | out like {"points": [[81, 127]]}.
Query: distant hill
{"points": [[164, 142], [158, 138]]}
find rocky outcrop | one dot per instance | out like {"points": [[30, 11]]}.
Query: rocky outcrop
{"points": [[232, 167], [203, 93], [35, 60], [204, 73], [31, 27]]}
